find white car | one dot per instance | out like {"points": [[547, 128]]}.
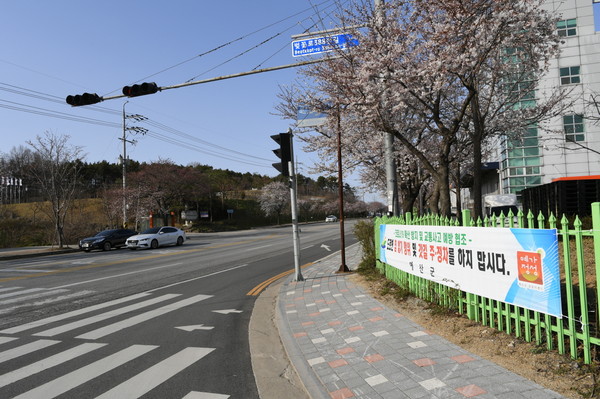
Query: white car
{"points": [[331, 218], [156, 237]]}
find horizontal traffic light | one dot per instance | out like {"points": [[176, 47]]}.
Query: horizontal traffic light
{"points": [[284, 152], [140, 89], [84, 99]]}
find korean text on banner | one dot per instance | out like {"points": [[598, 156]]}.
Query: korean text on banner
{"points": [[516, 266]]}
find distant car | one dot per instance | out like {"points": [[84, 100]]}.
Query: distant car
{"points": [[107, 239], [156, 237], [331, 218]]}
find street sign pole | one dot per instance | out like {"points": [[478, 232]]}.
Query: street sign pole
{"points": [[294, 206]]}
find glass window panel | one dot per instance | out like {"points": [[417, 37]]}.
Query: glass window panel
{"points": [[532, 161], [532, 151], [516, 162], [532, 142], [517, 152], [533, 180]]}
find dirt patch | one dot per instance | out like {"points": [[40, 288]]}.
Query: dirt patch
{"points": [[547, 368]]}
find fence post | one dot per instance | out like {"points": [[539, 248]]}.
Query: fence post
{"points": [[471, 298], [596, 235]]}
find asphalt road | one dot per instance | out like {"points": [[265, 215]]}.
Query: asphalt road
{"points": [[167, 323]]}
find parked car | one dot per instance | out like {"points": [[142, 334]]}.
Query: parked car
{"points": [[157, 237], [107, 239], [331, 218]]}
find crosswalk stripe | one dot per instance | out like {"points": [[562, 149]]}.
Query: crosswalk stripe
{"points": [[25, 349], [69, 381], [47, 301], [103, 316], [157, 374], [6, 339], [48, 320], [103, 331], [47, 363], [29, 297], [27, 291]]}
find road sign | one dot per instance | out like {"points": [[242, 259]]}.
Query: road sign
{"points": [[324, 44], [308, 118]]}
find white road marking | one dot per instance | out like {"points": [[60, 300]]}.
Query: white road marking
{"points": [[103, 316], [84, 374], [25, 270], [34, 296], [227, 311], [6, 339], [25, 349], [112, 328], [150, 378], [204, 395], [49, 362], [198, 278], [47, 301], [27, 291], [117, 275], [193, 328], [68, 315]]}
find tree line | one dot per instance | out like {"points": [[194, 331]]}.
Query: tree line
{"points": [[55, 174]]}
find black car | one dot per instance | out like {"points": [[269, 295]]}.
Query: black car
{"points": [[107, 239]]}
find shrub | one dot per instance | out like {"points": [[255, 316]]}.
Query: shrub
{"points": [[365, 233]]}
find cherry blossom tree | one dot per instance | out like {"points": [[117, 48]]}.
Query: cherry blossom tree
{"points": [[274, 199], [432, 74]]}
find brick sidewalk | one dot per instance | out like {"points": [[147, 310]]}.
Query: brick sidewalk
{"points": [[345, 344]]}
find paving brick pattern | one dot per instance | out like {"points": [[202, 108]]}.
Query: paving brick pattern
{"points": [[355, 347]]}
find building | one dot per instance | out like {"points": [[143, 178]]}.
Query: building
{"points": [[572, 148]]}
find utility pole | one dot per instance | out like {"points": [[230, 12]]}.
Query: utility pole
{"points": [[343, 267], [135, 129]]}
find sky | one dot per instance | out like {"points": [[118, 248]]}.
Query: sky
{"points": [[52, 49]]}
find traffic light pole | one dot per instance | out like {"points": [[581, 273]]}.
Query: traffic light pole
{"points": [[294, 206]]}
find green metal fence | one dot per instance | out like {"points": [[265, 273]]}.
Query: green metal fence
{"points": [[577, 333]]}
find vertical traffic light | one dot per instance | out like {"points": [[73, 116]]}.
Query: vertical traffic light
{"points": [[84, 99], [284, 152], [140, 90]]}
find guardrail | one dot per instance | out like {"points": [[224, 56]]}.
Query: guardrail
{"points": [[576, 333]]}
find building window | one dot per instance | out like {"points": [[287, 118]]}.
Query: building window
{"points": [[567, 27], [573, 125], [569, 75]]}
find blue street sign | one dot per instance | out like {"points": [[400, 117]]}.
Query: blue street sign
{"points": [[318, 45]]}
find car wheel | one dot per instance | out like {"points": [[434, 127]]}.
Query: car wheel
{"points": [[132, 249], [154, 244], [106, 246], [87, 250], [179, 240]]}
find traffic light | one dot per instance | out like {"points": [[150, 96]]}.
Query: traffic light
{"points": [[140, 90], [84, 99], [284, 152]]}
